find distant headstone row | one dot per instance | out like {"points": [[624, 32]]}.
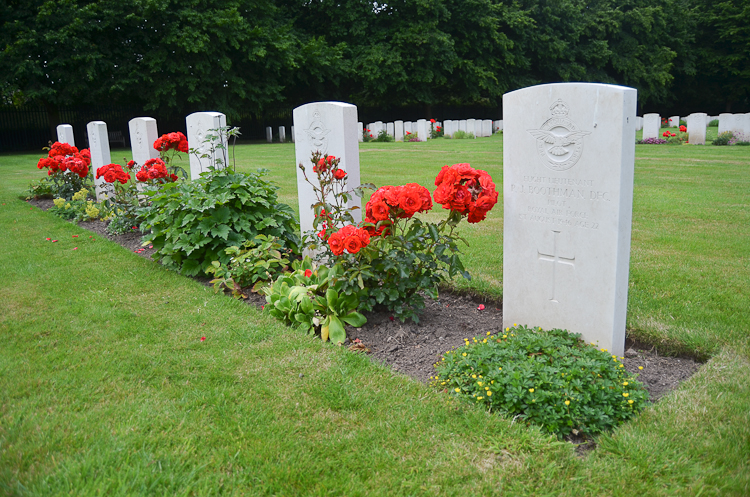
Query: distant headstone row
{"points": [[697, 123]]}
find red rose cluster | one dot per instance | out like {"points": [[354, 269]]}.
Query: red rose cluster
{"points": [[154, 169], [397, 201], [64, 157], [112, 173], [172, 141], [683, 129], [667, 134], [349, 238], [466, 190]]}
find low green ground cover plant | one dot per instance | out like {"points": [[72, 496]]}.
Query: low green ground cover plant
{"points": [[548, 378], [723, 138], [384, 137], [79, 208], [462, 135]]}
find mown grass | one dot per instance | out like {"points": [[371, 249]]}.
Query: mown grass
{"points": [[107, 389]]}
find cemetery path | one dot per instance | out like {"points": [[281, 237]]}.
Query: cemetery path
{"points": [[412, 349]]}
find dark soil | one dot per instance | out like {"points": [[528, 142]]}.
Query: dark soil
{"points": [[413, 348]]}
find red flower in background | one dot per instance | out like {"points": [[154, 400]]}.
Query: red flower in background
{"points": [[683, 129], [172, 141], [112, 173], [339, 174], [64, 157], [466, 190], [154, 169], [349, 238]]}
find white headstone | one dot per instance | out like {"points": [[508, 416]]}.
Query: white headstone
{"points": [[478, 128], [360, 132], [198, 126], [65, 134], [743, 126], [498, 125], [651, 126], [143, 134], [269, 134], [282, 134], [638, 123], [292, 134], [568, 166], [408, 127], [471, 126], [100, 156], [398, 131], [423, 130], [487, 127], [696, 128], [738, 125], [726, 122], [328, 127], [674, 122], [462, 125], [390, 129]]}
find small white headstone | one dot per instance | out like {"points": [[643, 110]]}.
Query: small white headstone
{"points": [[696, 128], [638, 123], [269, 134], [674, 122], [328, 127], [487, 127], [408, 127], [743, 126], [471, 126], [360, 131], [292, 134], [726, 122], [143, 134], [651, 126], [390, 129], [498, 125], [398, 131], [478, 128], [568, 167], [65, 134], [423, 130], [198, 126], [462, 125], [100, 156], [282, 134]]}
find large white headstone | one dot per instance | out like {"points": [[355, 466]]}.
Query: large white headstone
{"points": [[198, 126], [568, 155], [408, 127], [651, 126], [423, 130], [398, 131], [100, 156], [65, 134], [696, 128], [726, 122], [328, 127], [143, 134]]}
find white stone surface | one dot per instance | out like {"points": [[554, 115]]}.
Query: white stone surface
{"points": [[360, 132], [726, 122], [638, 123], [498, 125], [269, 134], [65, 134], [143, 134], [651, 126], [408, 127], [292, 134], [398, 131], [478, 128], [282, 134], [696, 128], [487, 127], [471, 126], [423, 130], [674, 122], [568, 165], [198, 126], [743, 125], [100, 156], [462, 125], [328, 127], [390, 129]]}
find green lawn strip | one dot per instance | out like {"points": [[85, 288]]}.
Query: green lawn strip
{"points": [[86, 407]]}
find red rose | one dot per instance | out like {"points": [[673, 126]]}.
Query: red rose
{"points": [[339, 174], [336, 244], [353, 243], [380, 211], [183, 146], [410, 201], [131, 164], [308, 273], [432, 121], [444, 193], [683, 128], [461, 199], [476, 216]]}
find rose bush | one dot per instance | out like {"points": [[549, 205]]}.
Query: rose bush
{"points": [[67, 172]]}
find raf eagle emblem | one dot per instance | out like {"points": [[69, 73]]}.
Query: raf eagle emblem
{"points": [[559, 141]]}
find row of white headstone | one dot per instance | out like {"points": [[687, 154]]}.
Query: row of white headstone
{"points": [[400, 130], [739, 124], [568, 168], [143, 134]]}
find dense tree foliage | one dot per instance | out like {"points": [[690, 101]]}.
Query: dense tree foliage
{"points": [[240, 55]]}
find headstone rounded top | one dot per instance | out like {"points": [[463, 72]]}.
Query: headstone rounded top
{"points": [[339, 104]]}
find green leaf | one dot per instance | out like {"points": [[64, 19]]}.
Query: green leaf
{"points": [[354, 319], [336, 331]]}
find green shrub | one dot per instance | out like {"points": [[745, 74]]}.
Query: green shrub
{"points": [[460, 135], [548, 378], [723, 138], [383, 136], [78, 208], [193, 223], [258, 262], [713, 122]]}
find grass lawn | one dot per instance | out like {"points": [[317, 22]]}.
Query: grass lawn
{"points": [[106, 387]]}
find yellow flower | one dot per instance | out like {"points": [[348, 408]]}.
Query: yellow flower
{"points": [[531, 390], [59, 202], [625, 394], [567, 402], [488, 333], [473, 376], [479, 383], [484, 341], [480, 398], [630, 401], [464, 354], [622, 365], [492, 382], [533, 400], [514, 325], [625, 383], [499, 369], [486, 388], [507, 329], [640, 367], [505, 336], [443, 383], [614, 357], [458, 389], [489, 393]]}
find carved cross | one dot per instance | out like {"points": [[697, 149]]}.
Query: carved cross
{"points": [[555, 259]]}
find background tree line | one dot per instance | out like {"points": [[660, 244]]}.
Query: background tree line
{"points": [[240, 55]]}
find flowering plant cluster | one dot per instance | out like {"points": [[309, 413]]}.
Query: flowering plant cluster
{"points": [[155, 169], [67, 169], [112, 173], [651, 141], [78, 208], [350, 239], [411, 136], [548, 378], [435, 130], [466, 191], [172, 141], [367, 135]]}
